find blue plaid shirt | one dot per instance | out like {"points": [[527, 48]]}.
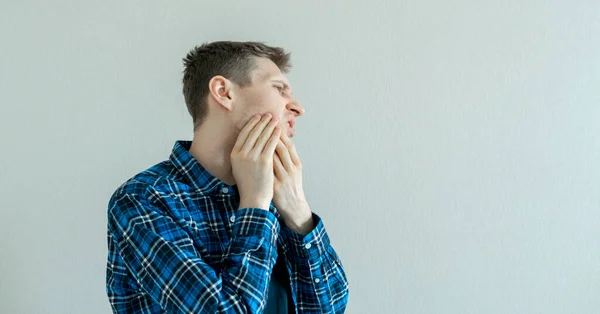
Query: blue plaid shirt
{"points": [[178, 243]]}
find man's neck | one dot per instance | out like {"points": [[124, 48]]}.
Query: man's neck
{"points": [[211, 147]]}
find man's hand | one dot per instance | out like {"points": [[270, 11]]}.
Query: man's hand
{"points": [[252, 161], [288, 195]]}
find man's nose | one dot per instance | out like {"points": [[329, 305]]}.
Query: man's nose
{"points": [[296, 107]]}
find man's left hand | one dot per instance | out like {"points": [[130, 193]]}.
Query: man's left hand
{"points": [[288, 195]]}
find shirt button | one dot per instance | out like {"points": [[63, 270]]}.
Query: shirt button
{"points": [[307, 246], [317, 280], [225, 190], [232, 218]]}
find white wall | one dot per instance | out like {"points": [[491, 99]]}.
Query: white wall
{"points": [[451, 147]]}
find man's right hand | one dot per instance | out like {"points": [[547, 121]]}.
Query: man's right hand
{"points": [[252, 161]]}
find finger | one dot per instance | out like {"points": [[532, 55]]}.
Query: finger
{"points": [[255, 133], [278, 166], [239, 143], [272, 144], [265, 136], [292, 150], [285, 138], [284, 155]]}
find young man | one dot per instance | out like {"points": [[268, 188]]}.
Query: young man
{"points": [[223, 225]]}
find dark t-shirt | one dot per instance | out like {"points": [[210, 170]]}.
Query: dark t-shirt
{"points": [[279, 299]]}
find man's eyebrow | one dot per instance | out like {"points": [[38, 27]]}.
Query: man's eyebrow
{"points": [[285, 85]]}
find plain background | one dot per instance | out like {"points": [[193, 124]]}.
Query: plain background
{"points": [[451, 147]]}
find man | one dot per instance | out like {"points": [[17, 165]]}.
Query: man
{"points": [[223, 225]]}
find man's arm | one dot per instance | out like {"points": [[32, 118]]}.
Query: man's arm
{"points": [[319, 283], [165, 262]]}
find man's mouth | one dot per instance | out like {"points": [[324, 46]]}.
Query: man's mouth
{"points": [[291, 123]]}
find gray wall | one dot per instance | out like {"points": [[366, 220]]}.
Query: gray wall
{"points": [[451, 147]]}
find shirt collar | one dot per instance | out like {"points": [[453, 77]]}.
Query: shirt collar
{"points": [[197, 176], [193, 172]]}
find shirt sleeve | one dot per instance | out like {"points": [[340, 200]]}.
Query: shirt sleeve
{"points": [[164, 260], [319, 283]]}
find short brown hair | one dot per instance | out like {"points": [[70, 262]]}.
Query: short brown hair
{"points": [[233, 60]]}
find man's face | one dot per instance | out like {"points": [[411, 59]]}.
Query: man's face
{"points": [[271, 92]]}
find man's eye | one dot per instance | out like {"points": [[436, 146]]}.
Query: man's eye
{"points": [[279, 88]]}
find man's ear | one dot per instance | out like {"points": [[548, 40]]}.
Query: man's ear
{"points": [[221, 90]]}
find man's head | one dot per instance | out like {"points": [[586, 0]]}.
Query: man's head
{"points": [[229, 82]]}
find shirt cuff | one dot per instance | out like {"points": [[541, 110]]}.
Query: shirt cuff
{"points": [[312, 245], [257, 222]]}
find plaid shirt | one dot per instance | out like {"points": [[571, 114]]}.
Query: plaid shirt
{"points": [[177, 243]]}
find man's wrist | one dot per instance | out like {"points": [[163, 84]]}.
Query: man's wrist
{"points": [[302, 222]]}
